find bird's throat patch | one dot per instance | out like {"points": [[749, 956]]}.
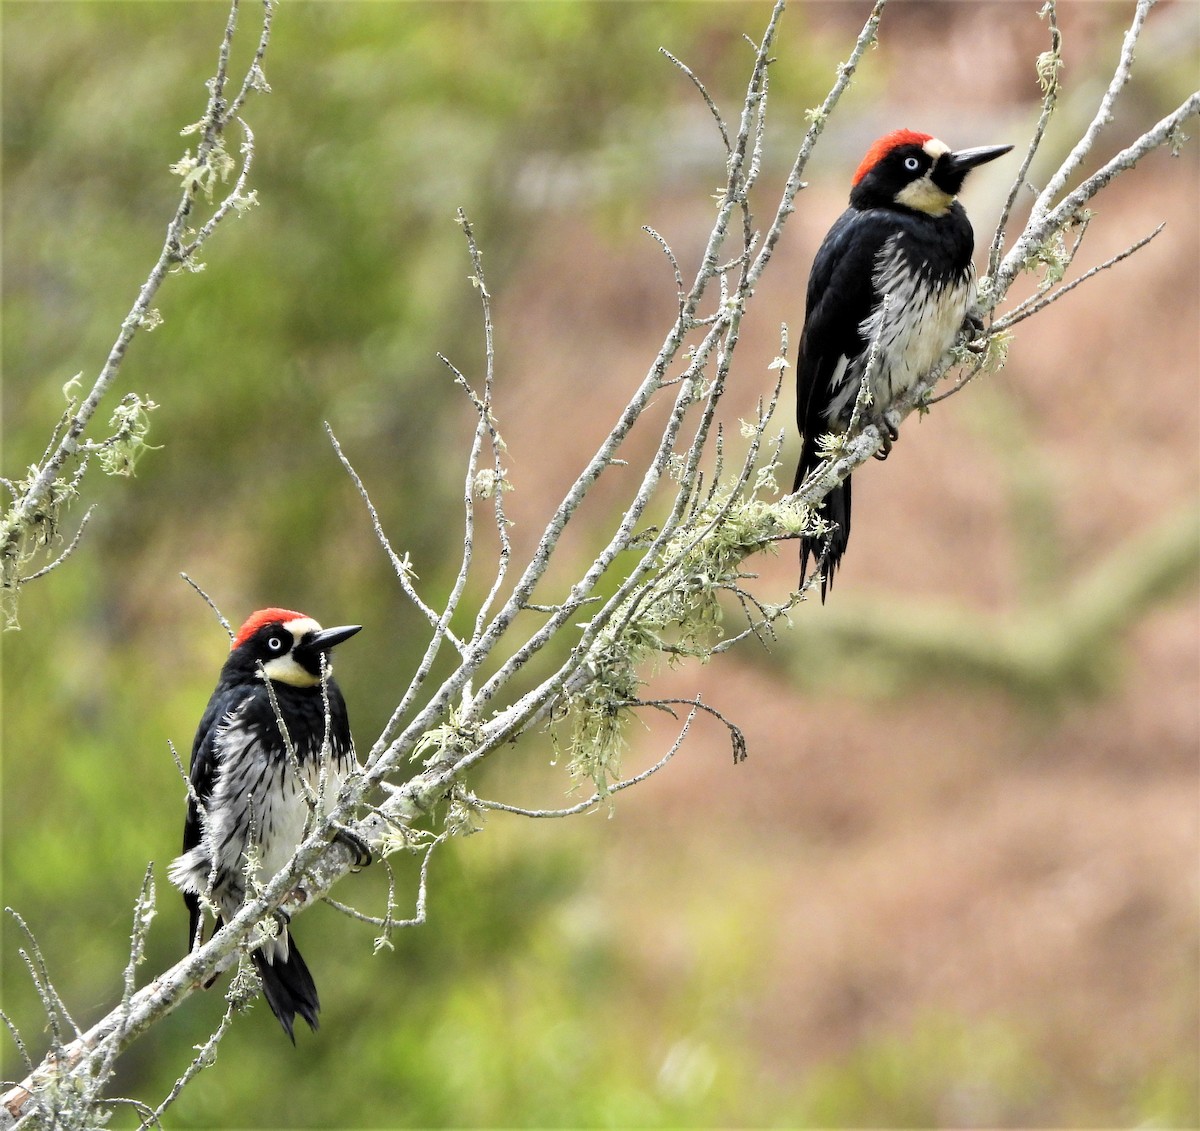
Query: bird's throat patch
{"points": [[923, 195], [285, 669]]}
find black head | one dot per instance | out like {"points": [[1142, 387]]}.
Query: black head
{"points": [[916, 171], [288, 645]]}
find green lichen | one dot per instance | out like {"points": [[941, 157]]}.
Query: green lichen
{"points": [[130, 421], [678, 613]]}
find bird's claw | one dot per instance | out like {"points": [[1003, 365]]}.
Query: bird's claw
{"points": [[888, 435], [975, 334], [356, 844]]}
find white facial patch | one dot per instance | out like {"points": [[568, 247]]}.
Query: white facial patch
{"points": [[285, 669]]}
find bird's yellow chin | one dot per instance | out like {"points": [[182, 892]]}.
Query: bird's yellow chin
{"points": [[284, 669], [924, 196]]}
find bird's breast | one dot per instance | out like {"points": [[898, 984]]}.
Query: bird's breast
{"points": [[920, 308]]}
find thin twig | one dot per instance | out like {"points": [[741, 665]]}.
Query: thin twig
{"points": [[66, 553], [206, 1057], [1039, 302], [598, 797], [671, 259], [211, 604], [1048, 73], [708, 101]]}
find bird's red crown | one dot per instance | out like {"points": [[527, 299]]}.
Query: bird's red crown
{"points": [[885, 145], [255, 621]]}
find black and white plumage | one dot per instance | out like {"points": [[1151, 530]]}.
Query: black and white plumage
{"points": [[904, 239], [246, 791]]}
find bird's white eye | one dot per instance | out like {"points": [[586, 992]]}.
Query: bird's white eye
{"points": [[912, 164], [274, 643]]}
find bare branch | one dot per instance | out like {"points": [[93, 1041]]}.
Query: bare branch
{"points": [[1041, 228], [211, 604], [1049, 65], [1039, 302], [818, 119], [496, 483], [1103, 115]]}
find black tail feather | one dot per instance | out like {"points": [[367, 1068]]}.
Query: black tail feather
{"points": [[827, 550], [289, 989], [217, 925], [192, 902]]}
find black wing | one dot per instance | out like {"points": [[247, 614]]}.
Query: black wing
{"points": [[203, 776], [841, 295]]}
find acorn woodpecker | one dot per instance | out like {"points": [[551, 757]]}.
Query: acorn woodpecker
{"points": [[904, 238], [246, 793]]}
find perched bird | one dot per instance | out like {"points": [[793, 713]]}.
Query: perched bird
{"points": [[905, 239], [246, 790]]}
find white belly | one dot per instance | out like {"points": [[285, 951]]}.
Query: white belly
{"points": [[915, 330]]}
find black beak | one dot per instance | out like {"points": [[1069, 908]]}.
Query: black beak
{"points": [[964, 160], [328, 637]]}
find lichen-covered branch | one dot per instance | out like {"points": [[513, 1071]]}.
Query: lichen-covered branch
{"points": [[30, 525]]}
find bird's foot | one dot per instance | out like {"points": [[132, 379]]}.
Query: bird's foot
{"points": [[356, 844], [888, 434], [974, 333]]}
